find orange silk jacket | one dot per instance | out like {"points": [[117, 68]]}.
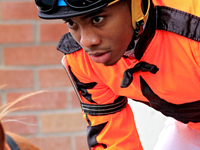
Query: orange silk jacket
{"points": [[164, 74]]}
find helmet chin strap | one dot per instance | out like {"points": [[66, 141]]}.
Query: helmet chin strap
{"points": [[136, 12], [138, 20], [138, 17]]}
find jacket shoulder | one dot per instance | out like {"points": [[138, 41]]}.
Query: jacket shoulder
{"points": [[68, 45]]}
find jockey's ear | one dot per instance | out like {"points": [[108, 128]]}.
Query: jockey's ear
{"points": [[2, 137]]}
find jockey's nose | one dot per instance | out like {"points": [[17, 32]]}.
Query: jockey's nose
{"points": [[89, 38]]}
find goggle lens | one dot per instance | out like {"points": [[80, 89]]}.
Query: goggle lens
{"points": [[47, 2], [49, 5], [46, 5]]}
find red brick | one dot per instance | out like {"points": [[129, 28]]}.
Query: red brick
{"points": [[52, 32], [52, 143], [81, 143], [16, 33], [18, 10], [35, 55], [74, 100], [62, 122], [21, 124], [61, 125], [16, 78], [42, 101], [53, 78]]}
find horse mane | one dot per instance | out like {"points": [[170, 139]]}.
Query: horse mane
{"points": [[7, 108], [22, 142]]}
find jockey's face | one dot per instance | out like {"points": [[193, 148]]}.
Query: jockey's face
{"points": [[105, 34]]}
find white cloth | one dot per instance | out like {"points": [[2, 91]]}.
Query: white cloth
{"points": [[178, 136]]}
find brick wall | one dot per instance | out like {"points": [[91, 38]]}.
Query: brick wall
{"points": [[30, 62]]}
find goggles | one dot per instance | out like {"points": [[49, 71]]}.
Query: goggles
{"points": [[49, 5]]}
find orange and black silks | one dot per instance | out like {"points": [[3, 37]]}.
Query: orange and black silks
{"points": [[164, 74]]}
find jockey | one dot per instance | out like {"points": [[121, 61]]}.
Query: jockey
{"points": [[145, 50]]}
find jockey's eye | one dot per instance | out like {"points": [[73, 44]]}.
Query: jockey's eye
{"points": [[97, 19], [70, 23]]}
